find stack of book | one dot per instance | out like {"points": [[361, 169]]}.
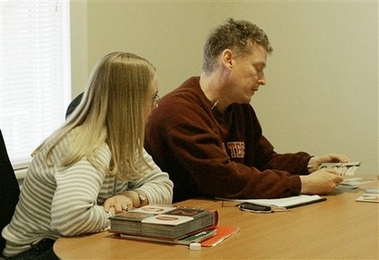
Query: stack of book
{"points": [[179, 225]]}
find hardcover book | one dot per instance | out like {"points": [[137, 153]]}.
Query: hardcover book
{"points": [[208, 237], [163, 221], [197, 237]]}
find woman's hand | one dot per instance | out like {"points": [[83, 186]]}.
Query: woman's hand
{"points": [[119, 203]]}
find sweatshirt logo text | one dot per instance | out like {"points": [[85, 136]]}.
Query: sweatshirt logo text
{"points": [[237, 149]]}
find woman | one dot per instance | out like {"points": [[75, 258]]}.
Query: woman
{"points": [[95, 165]]}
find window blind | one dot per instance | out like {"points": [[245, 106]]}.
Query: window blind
{"points": [[35, 81]]}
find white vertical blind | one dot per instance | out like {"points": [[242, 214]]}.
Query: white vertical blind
{"points": [[35, 81]]}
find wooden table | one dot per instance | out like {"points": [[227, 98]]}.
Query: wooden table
{"points": [[337, 228]]}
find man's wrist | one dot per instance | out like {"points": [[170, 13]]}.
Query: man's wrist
{"points": [[313, 164], [303, 181]]}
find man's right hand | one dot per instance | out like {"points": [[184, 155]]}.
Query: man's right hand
{"points": [[320, 182]]}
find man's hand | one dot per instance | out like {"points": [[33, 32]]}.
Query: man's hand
{"points": [[315, 162], [320, 182]]}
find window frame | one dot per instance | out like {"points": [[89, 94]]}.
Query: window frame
{"points": [[35, 73]]}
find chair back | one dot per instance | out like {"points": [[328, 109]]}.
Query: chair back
{"points": [[74, 103], [9, 189]]}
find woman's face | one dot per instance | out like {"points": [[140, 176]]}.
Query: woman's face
{"points": [[152, 97]]}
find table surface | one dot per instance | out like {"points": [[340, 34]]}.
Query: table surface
{"points": [[339, 228]]}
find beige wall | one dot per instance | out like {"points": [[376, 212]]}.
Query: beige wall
{"points": [[322, 90]]}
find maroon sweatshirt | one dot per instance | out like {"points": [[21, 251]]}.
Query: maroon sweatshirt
{"points": [[210, 153]]}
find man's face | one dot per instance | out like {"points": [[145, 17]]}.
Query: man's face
{"points": [[247, 75]]}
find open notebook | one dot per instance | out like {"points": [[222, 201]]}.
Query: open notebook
{"points": [[289, 202]]}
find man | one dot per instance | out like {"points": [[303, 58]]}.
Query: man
{"points": [[206, 135]]}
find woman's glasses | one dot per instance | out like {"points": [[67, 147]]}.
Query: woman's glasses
{"points": [[156, 99]]}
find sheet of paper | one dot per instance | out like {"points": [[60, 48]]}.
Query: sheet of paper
{"points": [[356, 181], [368, 197]]}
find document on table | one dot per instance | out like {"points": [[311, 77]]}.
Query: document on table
{"points": [[356, 181], [289, 202], [368, 197]]}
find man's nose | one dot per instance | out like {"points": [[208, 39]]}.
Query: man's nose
{"points": [[262, 80]]}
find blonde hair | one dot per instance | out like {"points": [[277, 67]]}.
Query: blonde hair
{"points": [[112, 111]]}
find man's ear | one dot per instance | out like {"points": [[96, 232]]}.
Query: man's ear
{"points": [[227, 58]]}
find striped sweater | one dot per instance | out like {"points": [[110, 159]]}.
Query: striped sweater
{"points": [[67, 201]]}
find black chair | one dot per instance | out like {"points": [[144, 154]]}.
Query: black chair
{"points": [[74, 103], [9, 189]]}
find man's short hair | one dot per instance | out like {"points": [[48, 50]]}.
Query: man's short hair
{"points": [[234, 35]]}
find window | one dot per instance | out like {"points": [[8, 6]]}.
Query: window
{"points": [[35, 81]]}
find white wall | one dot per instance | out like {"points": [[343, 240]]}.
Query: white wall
{"points": [[79, 46], [322, 90]]}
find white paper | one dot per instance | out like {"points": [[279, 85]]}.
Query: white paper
{"points": [[282, 202]]}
